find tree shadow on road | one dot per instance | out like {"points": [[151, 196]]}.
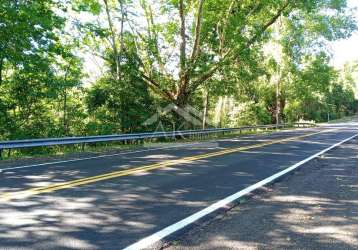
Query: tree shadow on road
{"points": [[316, 208], [116, 213]]}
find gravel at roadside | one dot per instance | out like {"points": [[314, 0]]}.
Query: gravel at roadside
{"points": [[315, 208]]}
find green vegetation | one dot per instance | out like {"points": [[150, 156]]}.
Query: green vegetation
{"points": [[238, 62]]}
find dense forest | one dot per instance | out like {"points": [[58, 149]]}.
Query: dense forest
{"points": [[229, 62]]}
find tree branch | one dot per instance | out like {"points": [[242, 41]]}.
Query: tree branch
{"points": [[251, 41], [155, 33], [224, 24], [153, 36], [197, 31], [1, 69], [157, 88], [268, 24], [121, 48], [113, 36], [183, 38]]}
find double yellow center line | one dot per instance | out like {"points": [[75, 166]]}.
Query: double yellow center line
{"points": [[126, 172]]}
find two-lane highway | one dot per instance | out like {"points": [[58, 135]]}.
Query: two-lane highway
{"points": [[112, 202]]}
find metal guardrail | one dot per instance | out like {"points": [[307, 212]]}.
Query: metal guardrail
{"points": [[29, 143]]}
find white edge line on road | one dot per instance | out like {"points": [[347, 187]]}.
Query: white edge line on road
{"points": [[152, 239], [117, 154]]}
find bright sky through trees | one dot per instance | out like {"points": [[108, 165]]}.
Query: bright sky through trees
{"points": [[346, 50], [343, 51]]}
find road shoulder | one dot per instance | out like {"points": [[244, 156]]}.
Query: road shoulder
{"points": [[315, 208]]}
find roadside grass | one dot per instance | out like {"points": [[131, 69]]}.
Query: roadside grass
{"points": [[115, 147]]}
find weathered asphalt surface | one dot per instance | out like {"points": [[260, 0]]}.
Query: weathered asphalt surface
{"points": [[316, 208], [115, 213]]}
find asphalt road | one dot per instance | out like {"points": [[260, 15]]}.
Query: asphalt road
{"points": [[314, 208], [112, 202]]}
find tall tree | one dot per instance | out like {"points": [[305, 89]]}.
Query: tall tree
{"points": [[31, 54]]}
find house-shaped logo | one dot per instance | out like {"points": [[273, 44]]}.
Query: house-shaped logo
{"points": [[189, 114]]}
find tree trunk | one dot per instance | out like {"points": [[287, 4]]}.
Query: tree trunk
{"points": [[180, 120], [182, 89], [205, 112], [183, 40], [65, 123], [1, 69], [278, 102], [113, 38], [196, 45], [121, 48]]}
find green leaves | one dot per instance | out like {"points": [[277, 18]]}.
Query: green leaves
{"points": [[234, 50], [36, 67], [92, 6]]}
